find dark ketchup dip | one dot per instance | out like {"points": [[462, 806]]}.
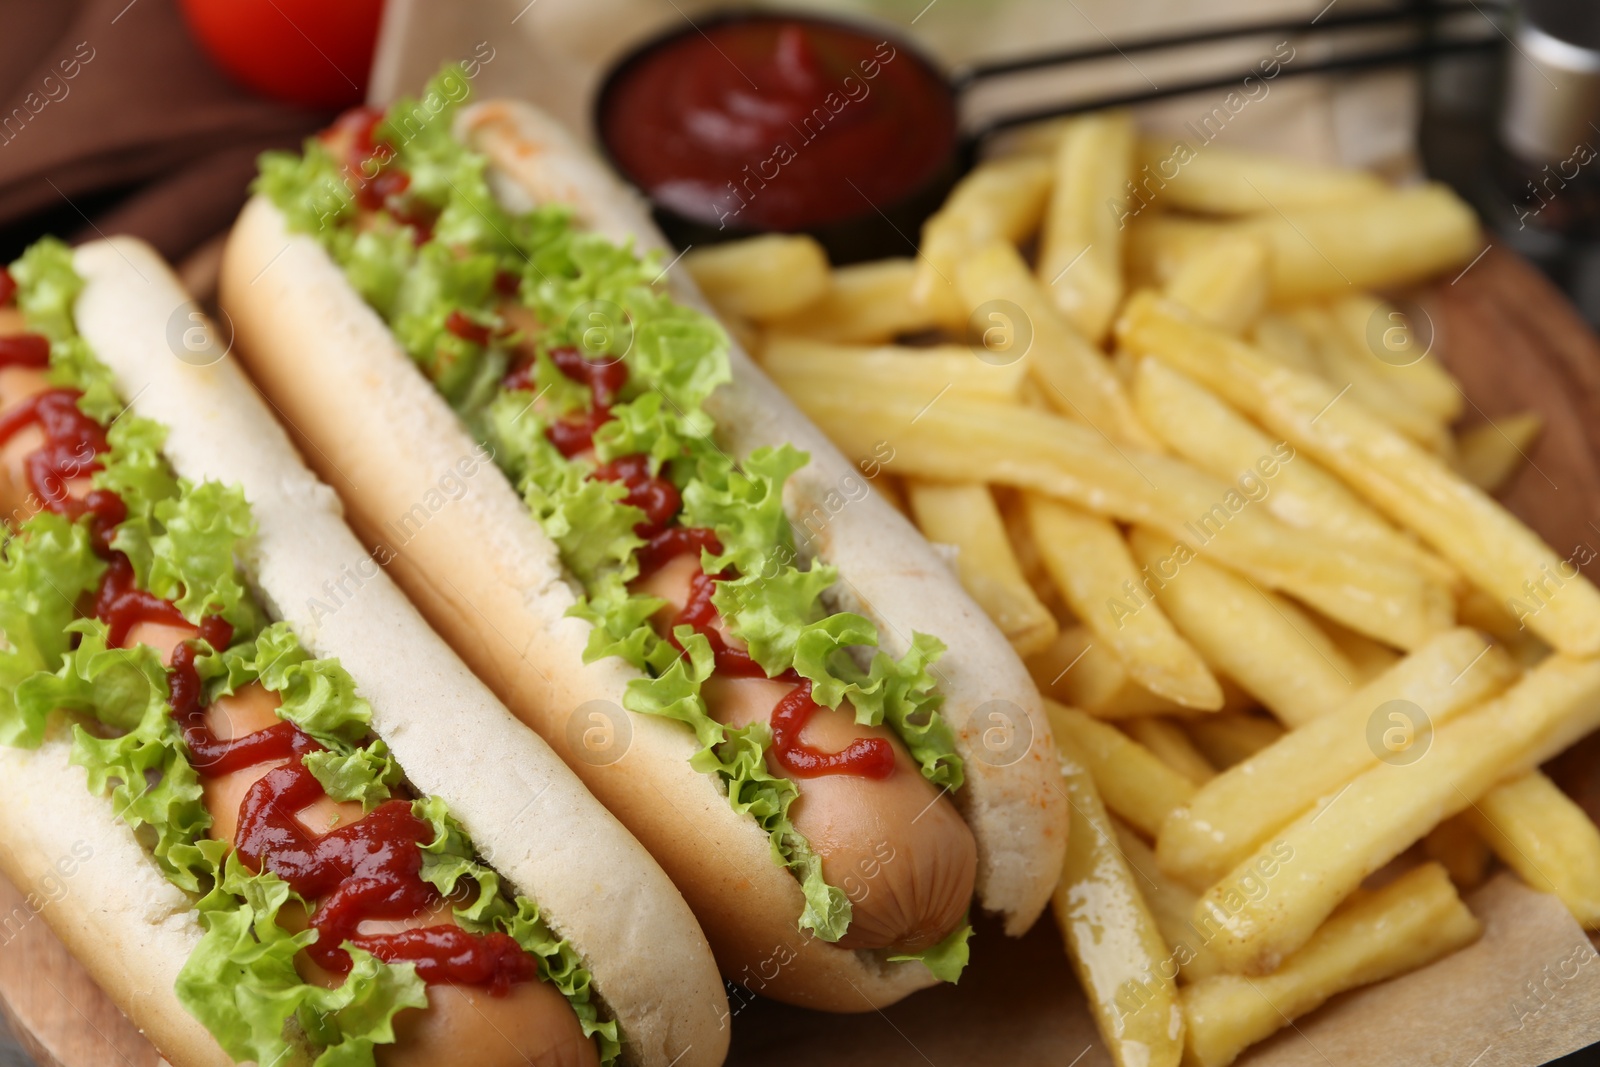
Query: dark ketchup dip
{"points": [[767, 122]]}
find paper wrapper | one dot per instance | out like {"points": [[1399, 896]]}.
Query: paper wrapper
{"points": [[1526, 993]]}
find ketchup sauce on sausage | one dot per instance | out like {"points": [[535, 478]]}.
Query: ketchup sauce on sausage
{"points": [[658, 498]]}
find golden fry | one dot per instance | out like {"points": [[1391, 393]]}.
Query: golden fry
{"points": [[966, 517], [1080, 248], [1489, 453], [1326, 853], [762, 277], [1220, 181], [1224, 282], [1075, 377], [956, 438], [1000, 200], [865, 303], [1135, 784], [1414, 488], [1262, 641], [1196, 424], [1090, 564], [1112, 941], [1167, 740], [1539, 832], [871, 368], [1237, 812], [1407, 924]]}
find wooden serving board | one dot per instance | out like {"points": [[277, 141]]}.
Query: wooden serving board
{"points": [[1515, 344]]}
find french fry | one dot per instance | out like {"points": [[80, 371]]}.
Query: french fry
{"points": [[1090, 564], [1416, 489], [1224, 282], [1455, 846], [1231, 737], [1377, 330], [1000, 200], [1238, 811], [966, 516], [1376, 242], [1112, 940], [1080, 247], [1219, 181], [1168, 741], [1407, 924], [1372, 242], [1262, 641], [1369, 658], [874, 367], [1133, 782], [959, 439], [762, 277], [1196, 424], [1080, 671], [1076, 378], [1539, 832], [1157, 246], [1171, 905], [1489, 453], [1326, 853], [865, 303], [1360, 374], [1279, 336]]}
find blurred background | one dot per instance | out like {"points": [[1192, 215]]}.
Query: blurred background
{"points": [[146, 116]]}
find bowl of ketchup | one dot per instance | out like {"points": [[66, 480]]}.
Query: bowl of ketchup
{"points": [[759, 122]]}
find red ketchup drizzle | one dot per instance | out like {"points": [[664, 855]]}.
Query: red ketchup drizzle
{"points": [[464, 328], [24, 349], [655, 496], [701, 614], [370, 869], [8, 287], [122, 606], [208, 753], [605, 379], [673, 542], [369, 164], [865, 757], [72, 440]]}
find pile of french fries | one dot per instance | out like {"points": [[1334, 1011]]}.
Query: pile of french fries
{"points": [[1212, 489]]}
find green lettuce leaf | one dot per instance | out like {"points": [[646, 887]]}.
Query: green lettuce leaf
{"points": [[367, 775], [948, 958], [47, 288], [44, 570], [192, 561], [144, 765], [241, 983], [318, 695]]}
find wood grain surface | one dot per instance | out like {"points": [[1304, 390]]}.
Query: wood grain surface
{"points": [[1514, 343]]}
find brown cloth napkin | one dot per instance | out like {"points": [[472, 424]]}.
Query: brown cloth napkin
{"points": [[113, 121]]}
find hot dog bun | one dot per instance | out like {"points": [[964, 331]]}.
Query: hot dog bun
{"points": [[491, 581], [530, 817]]}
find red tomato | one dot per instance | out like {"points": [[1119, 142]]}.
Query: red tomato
{"points": [[314, 53]]}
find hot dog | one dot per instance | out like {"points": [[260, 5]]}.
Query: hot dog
{"points": [[294, 840], [791, 689]]}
